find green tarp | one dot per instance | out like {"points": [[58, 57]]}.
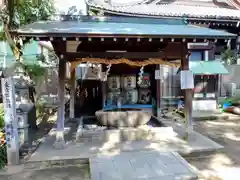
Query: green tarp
{"points": [[207, 67], [29, 53]]}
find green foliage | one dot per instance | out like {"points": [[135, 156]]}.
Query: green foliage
{"points": [[3, 155], [229, 56], [28, 12], [34, 71], [23, 12], [3, 152], [40, 111], [93, 12], [1, 116]]}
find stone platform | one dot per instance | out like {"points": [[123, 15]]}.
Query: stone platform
{"points": [[157, 139], [141, 165]]}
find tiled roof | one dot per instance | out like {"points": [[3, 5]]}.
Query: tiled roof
{"points": [[188, 9]]}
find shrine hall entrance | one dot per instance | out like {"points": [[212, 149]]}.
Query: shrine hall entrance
{"points": [[88, 97]]}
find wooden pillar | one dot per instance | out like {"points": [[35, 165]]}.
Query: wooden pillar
{"points": [[104, 88], [72, 94], [211, 52], [158, 95], [217, 89], [188, 93], [60, 142]]}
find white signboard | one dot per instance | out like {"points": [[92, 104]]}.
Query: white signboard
{"points": [[11, 126], [187, 80], [158, 74]]}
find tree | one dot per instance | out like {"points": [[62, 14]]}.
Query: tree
{"points": [[229, 56], [20, 12]]}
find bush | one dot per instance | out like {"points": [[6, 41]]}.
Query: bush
{"points": [[3, 155], [1, 116], [3, 149]]}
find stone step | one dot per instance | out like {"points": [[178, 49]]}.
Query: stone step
{"points": [[124, 134], [55, 163]]}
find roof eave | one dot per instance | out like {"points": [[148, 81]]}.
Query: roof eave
{"points": [[47, 36], [220, 19]]}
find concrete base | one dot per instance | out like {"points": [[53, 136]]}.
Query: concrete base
{"points": [[124, 134], [60, 142], [204, 105], [13, 157], [209, 115]]}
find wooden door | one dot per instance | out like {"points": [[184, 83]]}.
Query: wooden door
{"points": [[88, 97]]}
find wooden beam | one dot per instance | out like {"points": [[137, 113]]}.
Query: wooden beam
{"points": [[158, 94], [60, 47], [72, 95], [116, 55]]}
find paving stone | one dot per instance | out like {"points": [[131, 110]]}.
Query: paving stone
{"points": [[140, 166]]}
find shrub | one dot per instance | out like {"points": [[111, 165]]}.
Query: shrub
{"points": [[3, 149], [1, 116], [3, 155]]}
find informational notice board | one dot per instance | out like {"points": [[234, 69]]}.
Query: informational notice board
{"points": [[187, 80]]}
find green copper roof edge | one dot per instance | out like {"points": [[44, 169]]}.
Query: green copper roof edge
{"points": [[207, 67], [119, 27]]}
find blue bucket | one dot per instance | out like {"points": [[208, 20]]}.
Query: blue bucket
{"points": [[227, 105], [180, 104]]}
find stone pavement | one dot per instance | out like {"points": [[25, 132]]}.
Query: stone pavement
{"points": [[150, 165]]}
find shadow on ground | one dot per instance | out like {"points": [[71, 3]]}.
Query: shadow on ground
{"points": [[225, 163], [45, 120]]}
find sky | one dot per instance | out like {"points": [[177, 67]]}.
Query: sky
{"points": [[64, 5]]}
